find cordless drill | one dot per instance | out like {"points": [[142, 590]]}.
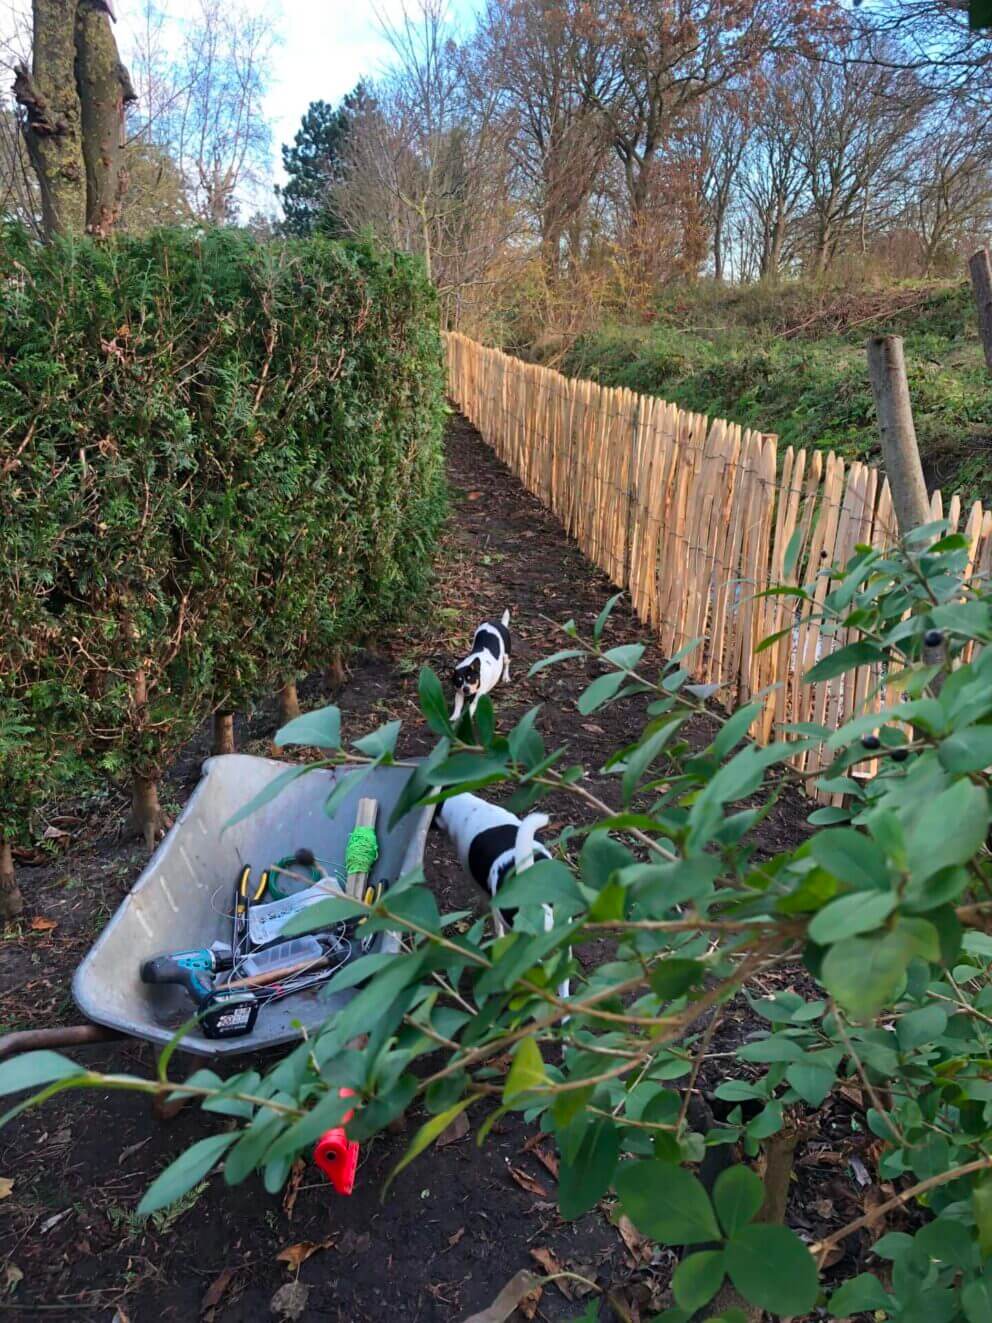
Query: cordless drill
{"points": [[222, 1012]]}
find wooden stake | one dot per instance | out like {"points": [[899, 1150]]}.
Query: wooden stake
{"points": [[887, 370], [980, 266], [368, 811]]}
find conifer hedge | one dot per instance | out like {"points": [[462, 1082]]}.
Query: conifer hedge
{"points": [[219, 460]]}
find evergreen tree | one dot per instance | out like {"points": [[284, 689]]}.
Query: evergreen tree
{"points": [[315, 163]]}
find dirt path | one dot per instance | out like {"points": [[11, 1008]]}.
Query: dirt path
{"points": [[461, 1221]]}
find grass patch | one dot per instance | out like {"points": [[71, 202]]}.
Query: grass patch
{"points": [[792, 360]]}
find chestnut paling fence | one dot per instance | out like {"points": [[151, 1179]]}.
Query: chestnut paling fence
{"points": [[693, 517]]}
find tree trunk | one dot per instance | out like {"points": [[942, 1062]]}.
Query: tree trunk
{"points": [[147, 819], [223, 733], [11, 900], [104, 89], [980, 266], [289, 702], [51, 103]]}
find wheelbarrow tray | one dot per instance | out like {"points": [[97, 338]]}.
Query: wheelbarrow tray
{"points": [[183, 898]]}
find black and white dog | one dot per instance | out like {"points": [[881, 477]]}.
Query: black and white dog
{"points": [[488, 663], [489, 842]]}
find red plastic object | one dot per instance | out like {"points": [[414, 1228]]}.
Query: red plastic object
{"points": [[336, 1155]]}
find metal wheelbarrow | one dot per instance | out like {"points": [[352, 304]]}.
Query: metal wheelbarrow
{"points": [[183, 899]]}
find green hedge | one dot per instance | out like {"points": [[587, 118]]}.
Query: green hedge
{"points": [[222, 460]]}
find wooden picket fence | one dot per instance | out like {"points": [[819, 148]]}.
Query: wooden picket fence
{"points": [[693, 517]]}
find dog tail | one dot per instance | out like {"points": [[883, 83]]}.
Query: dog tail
{"points": [[504, 619], [523, 851]]}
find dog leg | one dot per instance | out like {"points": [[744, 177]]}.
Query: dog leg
{"points": [[498, 924], [506, 671], [459, 704]]}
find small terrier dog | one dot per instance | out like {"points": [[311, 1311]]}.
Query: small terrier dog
{"points": [[489, 842], [485, 666]]}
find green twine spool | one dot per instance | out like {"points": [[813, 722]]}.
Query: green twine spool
{"points": [[362, 850]]}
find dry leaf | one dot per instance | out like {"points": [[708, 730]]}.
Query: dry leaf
{"points": [[290, 1300], [54, 834], [215, 1293], [551, 1266], [639, 1246], [293, 1188], [593, 730], [506, 1302], [293, 1255], [40, 925], [6, 1185], [527, 1182], [528, 1305], [475, 496], [120, 1316], [130, 1151], [351, 1243], [11, 1276], [547, 1159], [455, 1130], [453, 1240]]}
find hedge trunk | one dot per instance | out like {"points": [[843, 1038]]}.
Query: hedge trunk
{"points": [[335, 675], [289, 702], [223, 733], [11, 900], [147, 819]]}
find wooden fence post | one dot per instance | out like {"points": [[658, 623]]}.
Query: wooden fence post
{"points": [[901, 454], [980, 266]]}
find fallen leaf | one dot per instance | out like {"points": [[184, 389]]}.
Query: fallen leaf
{"points": [[860, 1171], [293, 1255], [551, 1266], [54, 834], [40, 925], [6, 1185], [351, 1243], [639, 1246], [453, 1240], [594, 730], [474, 496], [457, 1129], [61, 1138], [528, 1305], [290, 1300], [214, 1293], [120, 1316], [11, 1276], [293, 1188], [506, 1302], [130, 1151], [526, 1181], [547, 1159], [54, 1220]]}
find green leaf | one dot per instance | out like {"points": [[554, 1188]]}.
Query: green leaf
{"points": [[584, 1180], [426, 1135], [734, 729], [860, 1294], [604, 615], [644, 755], [321, 729], [380, 741], [981, 1206], [738, 1195], [565, 655], [967, 750], [269, 792], [950, 829], [186, 1171], [666, 1203], [527, 1071], [697, 1279], [922, 1026], [844, 659], [253, 1143], [976, 1297], [811, 1082], [861, 912], [328, 1112], [547, 881], [792, 551], [672, 977], [772, 1268], [321, 914], [850, 856], [600, 691], [865, 973], [30, 1069], [344, 785], [433, 703]]}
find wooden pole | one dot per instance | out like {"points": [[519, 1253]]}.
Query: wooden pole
{"points": [[980, 266], [901, 454]]}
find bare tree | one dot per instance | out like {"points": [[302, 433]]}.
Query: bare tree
{"points": [[721, 131], [425, 161], [772, 177], [950, 183], [202, 87]]}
